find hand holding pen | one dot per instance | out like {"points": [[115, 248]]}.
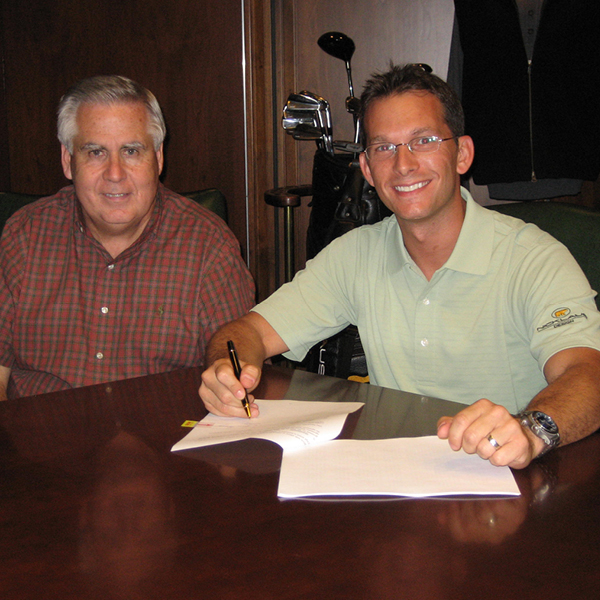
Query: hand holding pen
{"points": [[235, 363]]}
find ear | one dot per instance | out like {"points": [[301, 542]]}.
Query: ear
{"points": [[364, 167], [160, 159], [65, 159], [466, 153]]}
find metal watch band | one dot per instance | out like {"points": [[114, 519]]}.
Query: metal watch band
{"points": [[533, 420]]}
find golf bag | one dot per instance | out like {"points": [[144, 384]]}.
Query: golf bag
{"points": [[342, 200]]}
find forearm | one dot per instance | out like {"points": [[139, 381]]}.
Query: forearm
{"points": [[247, 342], [254, 339], [572, 399]]}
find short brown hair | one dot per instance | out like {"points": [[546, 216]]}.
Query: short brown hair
{"points": [[413, 77]]}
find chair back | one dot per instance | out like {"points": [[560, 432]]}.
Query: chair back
{"points": [[10, 203], [211, 198]]}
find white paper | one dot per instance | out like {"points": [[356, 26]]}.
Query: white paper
{"points": [[290, 423], [416, 467]]}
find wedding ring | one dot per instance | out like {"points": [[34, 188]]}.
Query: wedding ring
{"points": [[493, 441]]}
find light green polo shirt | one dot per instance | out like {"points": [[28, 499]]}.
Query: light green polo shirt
{"points": [[508, 298]]}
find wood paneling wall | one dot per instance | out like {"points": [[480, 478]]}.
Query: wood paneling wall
{"points": [[187, 52], [383, 30], [190, 54], [401, 31]]}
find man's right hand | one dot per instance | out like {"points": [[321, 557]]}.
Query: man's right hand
{"points": [[255, 341], [222, 393]]}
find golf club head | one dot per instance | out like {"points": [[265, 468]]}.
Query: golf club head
{"points": [[351, 147], [338, 45], [307, 115], [291, 123], [306, 133], [423, 66], [302, 125], [303, 101], [302, 114], [352, 105]]}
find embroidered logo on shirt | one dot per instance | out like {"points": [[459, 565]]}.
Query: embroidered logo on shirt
{"points": [[562, 316]]}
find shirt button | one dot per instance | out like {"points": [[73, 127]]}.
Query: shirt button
{"points": [[99, 355], [110, 267], [104, 310], [426, 301], [424, 342]]}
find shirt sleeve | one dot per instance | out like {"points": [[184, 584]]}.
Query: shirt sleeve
{"points": [[227, 288], [12, 259], [317, 303], [552, 301]]}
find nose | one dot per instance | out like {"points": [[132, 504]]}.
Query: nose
{"points": [[114, 170], [405, 161]]}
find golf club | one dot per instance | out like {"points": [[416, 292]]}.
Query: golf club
{"points": [[339, 45], [307, 116]]}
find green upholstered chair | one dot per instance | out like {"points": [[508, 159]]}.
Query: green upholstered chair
{"points": [[10, 203], [577, 227], [211, 198]]}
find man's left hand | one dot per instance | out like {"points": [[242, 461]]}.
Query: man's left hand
{"points": [[489, 430]]}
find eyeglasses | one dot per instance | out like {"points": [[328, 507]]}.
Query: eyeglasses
{"points": [[383, 150]]}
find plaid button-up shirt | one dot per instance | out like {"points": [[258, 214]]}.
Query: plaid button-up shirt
{"points": [[71, 315]]}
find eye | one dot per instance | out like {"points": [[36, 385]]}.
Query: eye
{"points": [[421, 142], [384, 148], [96, 152], [131, 151]]}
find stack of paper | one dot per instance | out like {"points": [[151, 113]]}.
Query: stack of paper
{"points": [[417, 467], [314, 464]]}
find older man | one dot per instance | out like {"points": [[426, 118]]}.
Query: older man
{"points": [[451, 300], [114, 276]]}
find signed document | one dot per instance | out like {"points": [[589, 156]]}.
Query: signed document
{"points": [[416, 467], [292, 424]]}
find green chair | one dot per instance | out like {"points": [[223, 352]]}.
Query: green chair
{"points": [[211, 198], [10, 203], [577, 227]]}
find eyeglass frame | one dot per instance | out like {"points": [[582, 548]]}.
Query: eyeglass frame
{"points": [[409, 145]]}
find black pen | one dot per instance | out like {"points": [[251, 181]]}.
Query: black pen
{"points": [[235, 363]]}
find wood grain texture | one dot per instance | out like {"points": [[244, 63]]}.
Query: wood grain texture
{"points": [[188, 53], [94, 505]]}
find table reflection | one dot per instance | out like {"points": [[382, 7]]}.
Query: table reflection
{"points": [[126, 524]]}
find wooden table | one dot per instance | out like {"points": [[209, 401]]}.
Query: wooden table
{"points": [[94, 505]]}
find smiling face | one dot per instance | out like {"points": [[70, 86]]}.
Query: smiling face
{"points": [[115, 170], [415, 187]]}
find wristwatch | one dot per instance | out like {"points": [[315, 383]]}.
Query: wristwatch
{"points": [[543, 426]]}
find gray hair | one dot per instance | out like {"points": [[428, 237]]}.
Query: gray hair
{"points": [[107, 89]]}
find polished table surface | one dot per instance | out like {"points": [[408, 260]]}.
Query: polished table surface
{"points": [[93, 504]]}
